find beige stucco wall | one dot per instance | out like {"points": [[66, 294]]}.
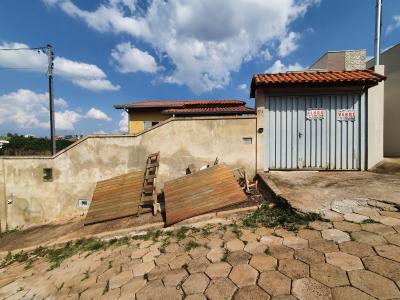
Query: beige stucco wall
{"points": [[391, 60], [375, 121], [76, 170]]}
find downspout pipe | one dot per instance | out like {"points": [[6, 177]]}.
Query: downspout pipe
{"points": [[378, 27]]}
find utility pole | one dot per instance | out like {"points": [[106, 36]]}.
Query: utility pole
{"points": [[378, 27], [51, 100]]}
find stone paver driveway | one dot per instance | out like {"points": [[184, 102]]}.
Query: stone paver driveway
{"points": [[339, 260]]}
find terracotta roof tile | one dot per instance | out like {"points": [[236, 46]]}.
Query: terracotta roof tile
{"points": [[317, 78], [210, 110]]}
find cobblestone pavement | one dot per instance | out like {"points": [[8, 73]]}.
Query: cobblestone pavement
{"points": [[339, 260]]}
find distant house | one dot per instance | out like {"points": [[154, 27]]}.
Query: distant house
{"points": [[145, 114], [346, 60], [390, 58]]}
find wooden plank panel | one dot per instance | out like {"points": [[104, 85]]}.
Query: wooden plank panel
{"points": [[115, 198], [204, 191]]}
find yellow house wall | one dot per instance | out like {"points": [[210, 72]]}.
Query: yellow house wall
{"points": [[137, 118]]}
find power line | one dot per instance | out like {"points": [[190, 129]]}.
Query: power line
{"points": [[10, 68], [25, 48]]}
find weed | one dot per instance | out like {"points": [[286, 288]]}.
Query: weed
{"points": [[164, 244], [191, 245], [282, 216], [267, 251], [107, 287], [205, 231], [21, 256], [369, 221], [29, 263], [225, 256], [40, 251], [181, 233]]}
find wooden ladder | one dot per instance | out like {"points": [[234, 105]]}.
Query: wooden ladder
{"points": [[149, 193]]}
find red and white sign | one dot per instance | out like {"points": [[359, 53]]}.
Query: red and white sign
{"points": [[315, 113], [347, 115]]}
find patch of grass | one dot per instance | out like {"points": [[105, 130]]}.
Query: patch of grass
{"points": [[278, 216], [191, 245], [181, 233], [107, 287]]}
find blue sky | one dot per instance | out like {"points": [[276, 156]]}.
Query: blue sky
{"points": [[120, 51]]}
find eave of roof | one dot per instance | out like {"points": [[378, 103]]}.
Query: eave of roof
{"points": [[315, 79], [210, 110]]}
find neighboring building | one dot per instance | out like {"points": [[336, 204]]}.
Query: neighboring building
{"points": [[145, 114], [390, 58], [318, 120], [346, 60]]}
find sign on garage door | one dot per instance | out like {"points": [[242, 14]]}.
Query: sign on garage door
{"points": [[314, 132]]}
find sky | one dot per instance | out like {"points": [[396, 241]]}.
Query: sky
{"points": [[120, 51]]}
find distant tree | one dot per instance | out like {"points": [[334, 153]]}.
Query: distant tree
{"points": [[20, 145]]}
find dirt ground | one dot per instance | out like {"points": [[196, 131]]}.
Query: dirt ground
{"points": [[69, 230], [75, 229]]}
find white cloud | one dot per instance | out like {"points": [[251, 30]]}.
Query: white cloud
{"points": [[65, 120], [288, 44], [394, 25], [205, 40], [266, 55], [129, 59], [279, 67], [85, 75], [242, 86], [96, 85], [97, 114], [60, 102], [100, 132], [29, 110], [123, 123]]}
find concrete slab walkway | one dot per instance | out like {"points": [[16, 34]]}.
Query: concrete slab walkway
{"points": [[354, 196]]}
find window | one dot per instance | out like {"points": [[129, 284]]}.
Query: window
{"points": [[147, 124], [83, 203], [47, 174], [247, 140]]}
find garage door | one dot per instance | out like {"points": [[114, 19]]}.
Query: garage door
{"points": [[315, 132]]}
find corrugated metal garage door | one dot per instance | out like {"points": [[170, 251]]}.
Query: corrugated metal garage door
{"points": [[315, 132]]}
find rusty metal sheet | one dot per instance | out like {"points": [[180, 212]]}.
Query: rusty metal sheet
{"points": [[115, 198], [204, 191]]}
